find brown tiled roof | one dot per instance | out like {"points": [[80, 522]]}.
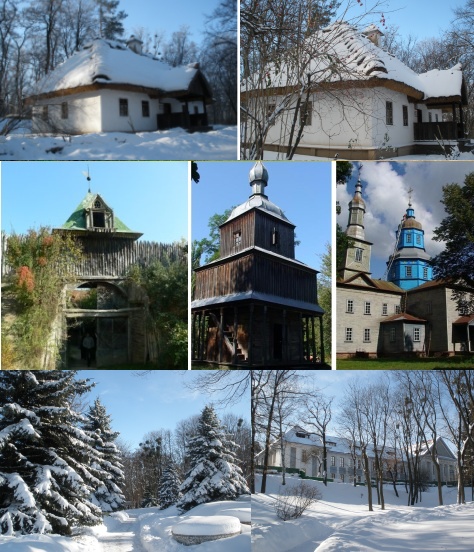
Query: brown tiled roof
{"points": [[403, 316], [464, 319]]}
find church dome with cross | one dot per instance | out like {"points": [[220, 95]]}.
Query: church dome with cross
{"points": [[408, 266]]}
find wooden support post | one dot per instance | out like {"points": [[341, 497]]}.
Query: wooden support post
{"points": [[301, 340], [236, 328], [202, 335], [221, 334], [193, 335], [265, 336], [250, 340], [284, 338], [322, 340], [313, 341]]}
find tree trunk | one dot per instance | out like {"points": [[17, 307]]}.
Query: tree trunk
{"points": [[367, 479]]}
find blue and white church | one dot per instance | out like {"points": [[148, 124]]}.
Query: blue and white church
{"points": [[407, 312], [408, 267]]}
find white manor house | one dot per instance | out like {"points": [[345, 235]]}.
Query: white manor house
{"points": [[304, 452]]}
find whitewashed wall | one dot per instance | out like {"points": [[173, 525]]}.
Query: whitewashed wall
{"points": [[84, 114], [135, 122]]}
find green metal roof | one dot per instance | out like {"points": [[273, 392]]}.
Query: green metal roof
{"points": [[77, 220]]}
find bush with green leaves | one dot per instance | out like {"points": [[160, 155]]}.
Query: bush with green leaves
{"points": [[41, 263]]}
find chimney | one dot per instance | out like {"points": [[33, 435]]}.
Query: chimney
{"points": [[373, 33], [135, 44]]}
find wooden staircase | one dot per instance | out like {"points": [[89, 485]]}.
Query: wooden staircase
{"points": [[229, 340]]}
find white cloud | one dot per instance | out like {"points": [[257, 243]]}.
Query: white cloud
{"points": [[385, 192]]}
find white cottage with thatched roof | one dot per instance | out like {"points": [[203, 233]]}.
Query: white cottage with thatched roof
{"points": [[110, 86], [355, 99]]}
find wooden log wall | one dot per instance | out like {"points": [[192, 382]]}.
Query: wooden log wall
{"points": [[113, 257], [256, 272], [258, 231]]}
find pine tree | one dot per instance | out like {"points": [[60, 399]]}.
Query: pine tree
{"points": [[108, 496], [46, 473], [213, 474], [110, 21], [169, 488], [148, 500]]}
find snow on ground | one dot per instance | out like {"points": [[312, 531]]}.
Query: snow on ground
{"points": [[341, 522], [275, 156], [48, 543], [174, 144], [142, 530]]}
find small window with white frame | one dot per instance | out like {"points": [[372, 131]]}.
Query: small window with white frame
{"points": [[350, 306], [349, 334], [367, 307], [416, 334], [358, 254], [385, 309], [367, 335]]}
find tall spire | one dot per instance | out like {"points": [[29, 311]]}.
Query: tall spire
{"points": [[357, 259], [355, 225]]}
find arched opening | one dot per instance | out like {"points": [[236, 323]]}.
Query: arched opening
{"points": [[98, 320]]}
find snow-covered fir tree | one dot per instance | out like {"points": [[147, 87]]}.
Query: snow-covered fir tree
{"points": [[46, 477], [108, 496], [214, 474], [148, 500], [169, 488]]}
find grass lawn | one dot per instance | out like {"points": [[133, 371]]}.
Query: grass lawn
{"points": [[140, 367], [405, 363]]}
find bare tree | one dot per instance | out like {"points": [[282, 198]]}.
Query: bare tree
{"points": [[278, 383], [180, 49], [286, 62], [219, 60], [376, 406], [355, 404], [318, 410], [459, 385]]}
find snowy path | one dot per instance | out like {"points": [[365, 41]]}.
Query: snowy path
{"points": [[123, 535]]}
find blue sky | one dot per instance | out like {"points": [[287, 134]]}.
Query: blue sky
{"points": [[149, 197], [139, 404], [420, 18], [301, 189], [385, 191], [159, 16]]}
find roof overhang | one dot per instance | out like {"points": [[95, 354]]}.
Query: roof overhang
{"points": [[257, 297], [154, 93], [98, 233], [372, 82]]}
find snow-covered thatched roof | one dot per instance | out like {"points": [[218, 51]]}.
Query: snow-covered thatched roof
{"points": [[340, 54], [109, 62]]}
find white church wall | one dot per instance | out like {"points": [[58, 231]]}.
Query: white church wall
{"points": [[355, 317]]}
